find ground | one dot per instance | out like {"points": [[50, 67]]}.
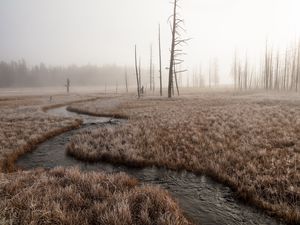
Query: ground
{"points": [[67, 196], [249, 141], [24, 124]]}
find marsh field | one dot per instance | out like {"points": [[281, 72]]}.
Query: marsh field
{"points": [[150, 112], [247, 141]]}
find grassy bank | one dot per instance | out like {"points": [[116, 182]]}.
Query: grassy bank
{"points": [[247, 142], [23, 124], [69, 196], [21, 129]]}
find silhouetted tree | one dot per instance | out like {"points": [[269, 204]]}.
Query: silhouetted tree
{"points": [[68, 85]]}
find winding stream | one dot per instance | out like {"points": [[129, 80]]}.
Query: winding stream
{"points": [[204, 201]]}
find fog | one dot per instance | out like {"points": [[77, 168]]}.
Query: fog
{"points": [[97, 32]]}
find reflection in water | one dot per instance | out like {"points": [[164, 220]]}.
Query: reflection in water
{"points": [[203, 201]]}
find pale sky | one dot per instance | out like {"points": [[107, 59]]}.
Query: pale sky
{"points": [[63, 32]]}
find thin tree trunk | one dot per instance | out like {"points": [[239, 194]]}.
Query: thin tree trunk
{"points": [[126, 80], [153, 78], [140, 77], [137, 75], [298, 68], [175, 76], [235, 71], [150, 70], [171, 67], [160, 71]]}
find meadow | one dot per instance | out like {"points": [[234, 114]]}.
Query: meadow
{"points": [[248, 141], [68, 196]]}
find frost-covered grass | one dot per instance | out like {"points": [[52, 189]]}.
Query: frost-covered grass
{"points": [[23, 124], [69, 196], [21, 129], [249, 141], [107, 108]]}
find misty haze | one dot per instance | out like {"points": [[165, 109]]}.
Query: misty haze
{"points": [[138, 112]]}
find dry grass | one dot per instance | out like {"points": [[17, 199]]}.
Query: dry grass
{"points": [[17, 101], [108, 108], [23, 124], [249, 142], [69, 196], [21, 129]]}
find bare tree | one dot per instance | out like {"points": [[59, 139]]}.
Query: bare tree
{"points": [[177, 41], [235, 71], [67, 85], [160, 71], [153, 78], [245, 75], [209, 75], [126, 80], [276, 72], [175, 76], [140, 78], [150, 70], [298, 68], [137, 74]]}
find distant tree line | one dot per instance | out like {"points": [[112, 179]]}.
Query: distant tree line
{"points": [[278, 70], [19, 74]]}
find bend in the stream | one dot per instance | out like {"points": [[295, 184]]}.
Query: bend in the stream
{"points": [[203, 200]]}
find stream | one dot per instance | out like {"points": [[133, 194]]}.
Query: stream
{"points": [[202, 200]]}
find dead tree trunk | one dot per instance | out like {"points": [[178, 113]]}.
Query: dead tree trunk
{"points": [[176, 82], [276, 85], [235, 70], [137, 74], [150, 70], [171, 67], [140, 77], [246, 74], [160, 71], [126, 81], [298, 68], [153, 78], [176, 26], [68, 84], [209, 75]]}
